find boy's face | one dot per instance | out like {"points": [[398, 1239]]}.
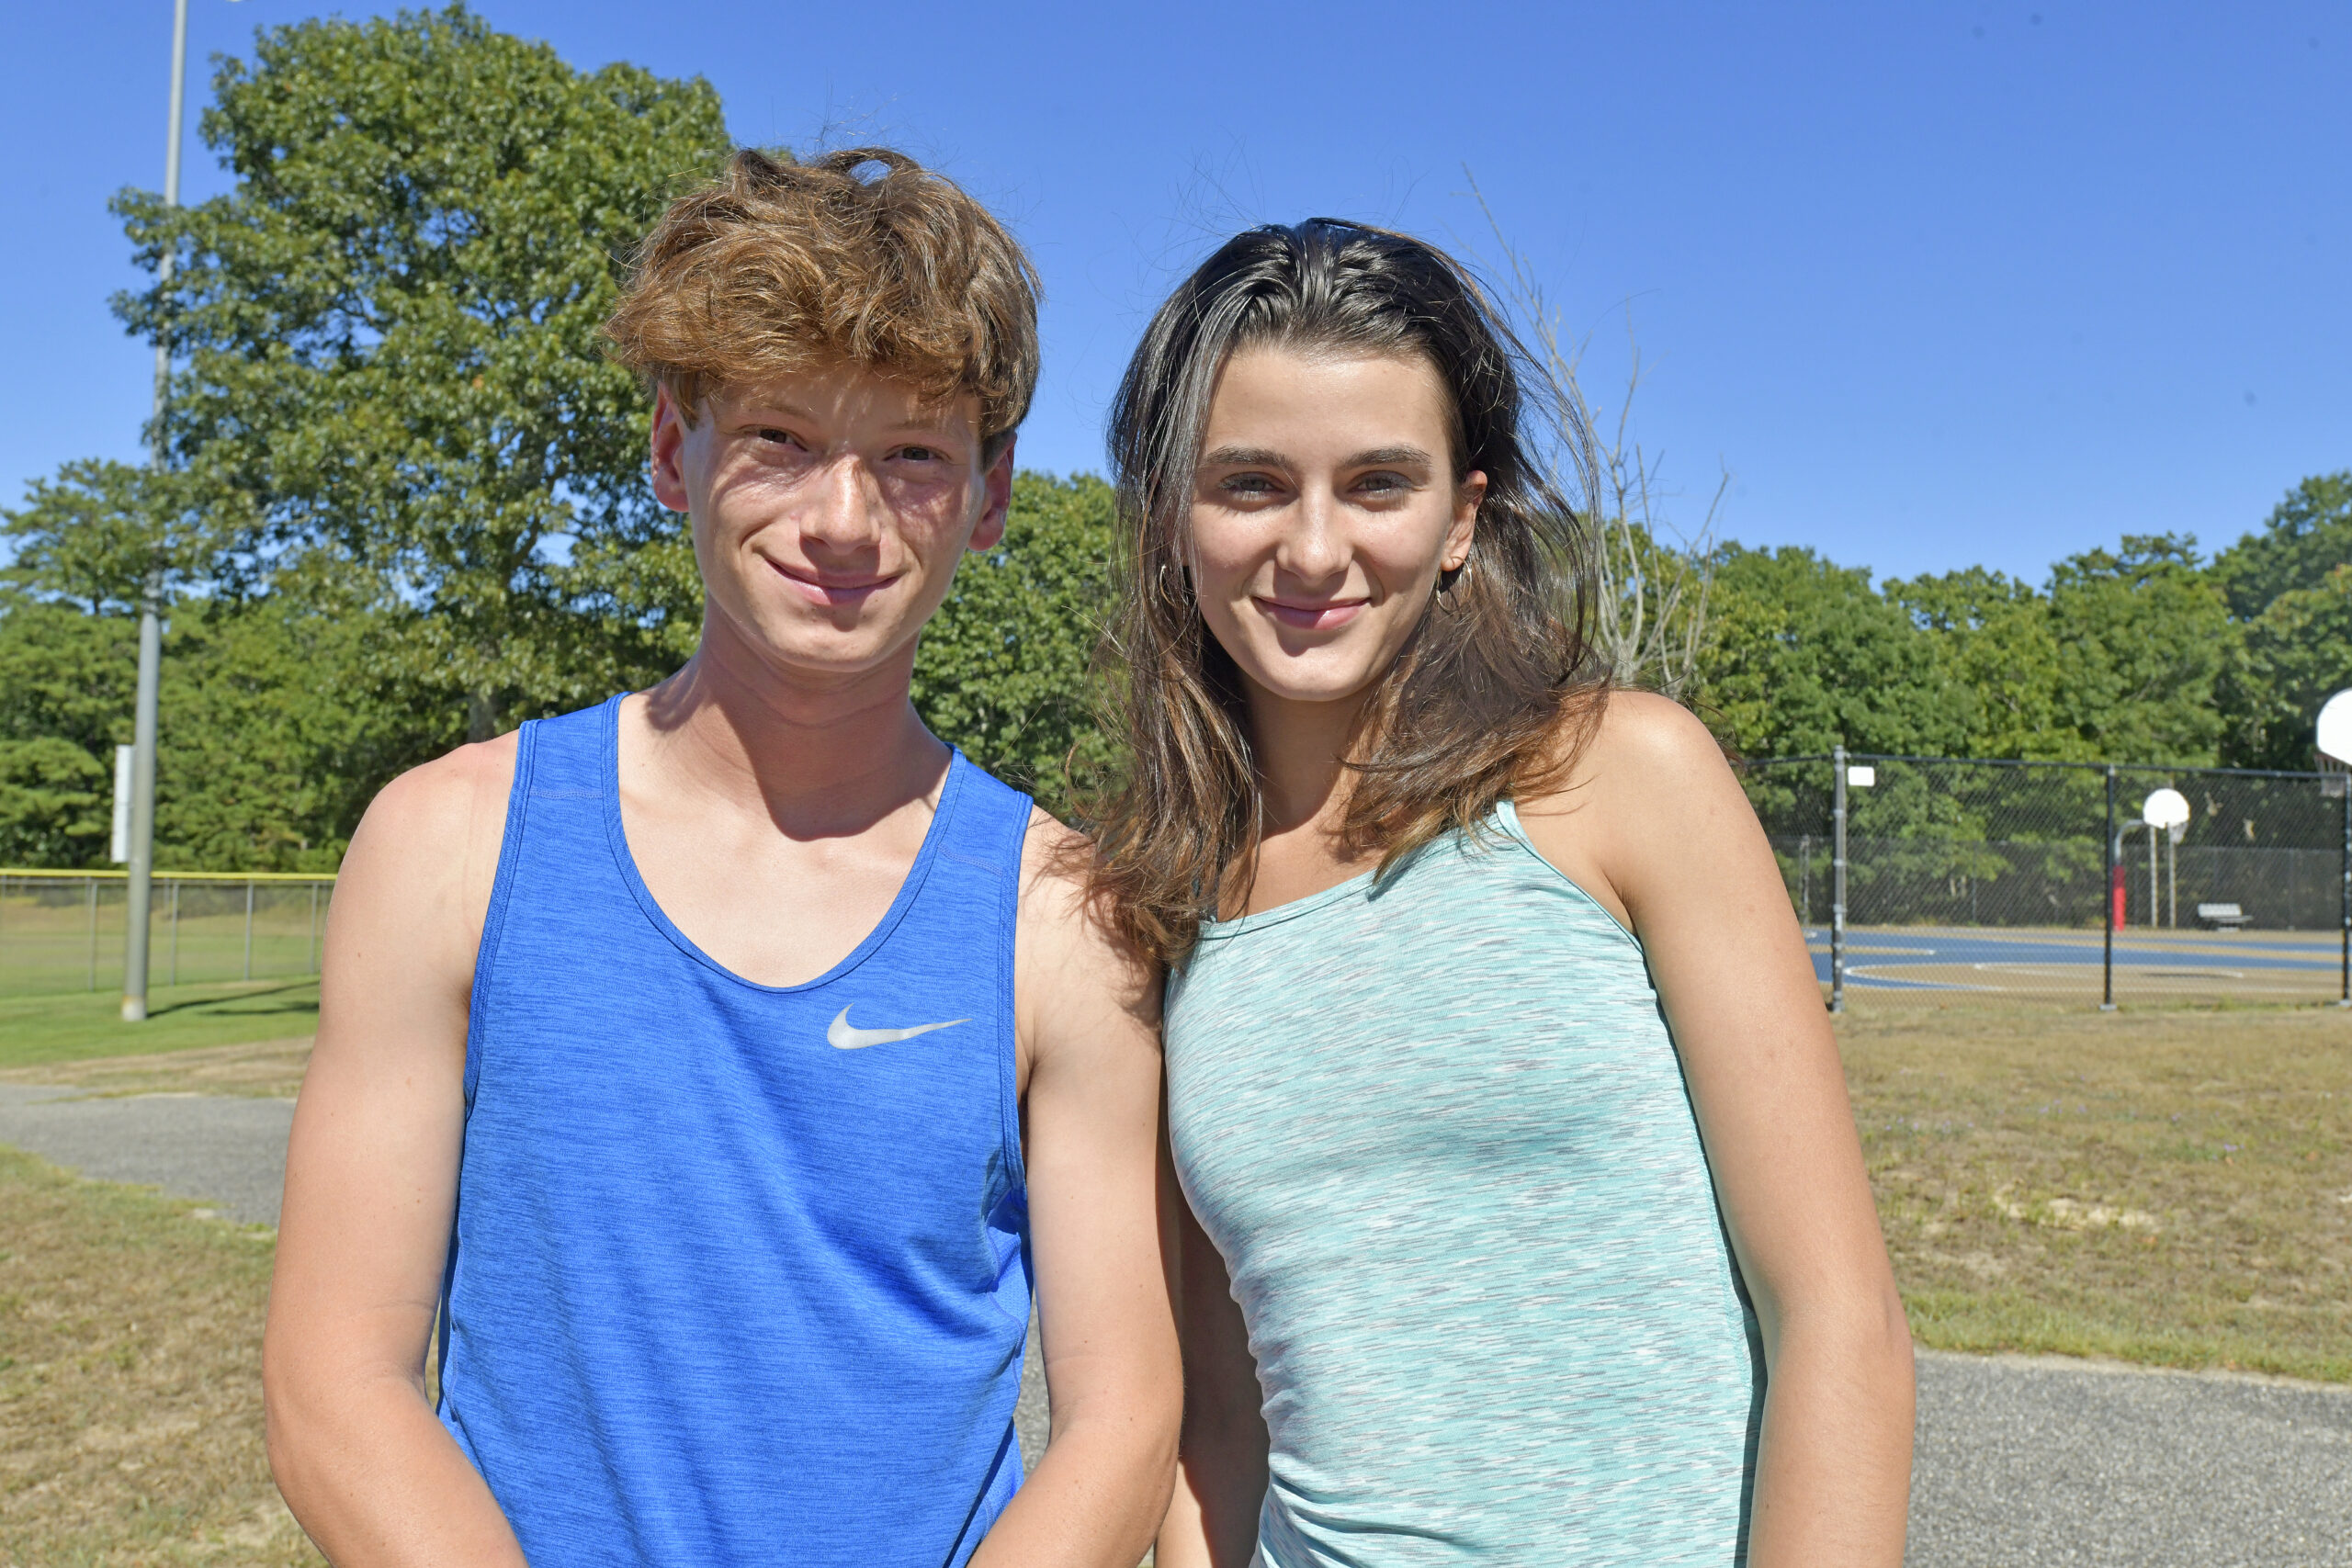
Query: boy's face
{"points": [[828, 512]]}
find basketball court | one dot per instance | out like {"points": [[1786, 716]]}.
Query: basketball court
{"points": [[2150, 965]]}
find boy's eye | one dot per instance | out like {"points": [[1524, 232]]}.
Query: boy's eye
{"points": [[771, 433], [919, 454]]}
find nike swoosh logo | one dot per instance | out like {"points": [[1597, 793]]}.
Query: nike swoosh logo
{"points": [[843, 1036]]}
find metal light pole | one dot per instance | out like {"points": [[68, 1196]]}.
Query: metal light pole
{"points": [[141, 863], [1837, 881]]}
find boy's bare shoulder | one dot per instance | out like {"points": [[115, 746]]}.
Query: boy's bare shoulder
{"points": [[1062, 924], [427, 849], [447, 797]]}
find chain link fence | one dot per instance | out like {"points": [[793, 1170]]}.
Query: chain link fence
{"points": [[1921, 877], [63, 930]]}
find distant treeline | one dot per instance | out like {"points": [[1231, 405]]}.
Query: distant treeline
{"points": [[403, 505]]}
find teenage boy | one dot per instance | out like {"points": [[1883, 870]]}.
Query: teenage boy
{"points": [[714, 1062]]}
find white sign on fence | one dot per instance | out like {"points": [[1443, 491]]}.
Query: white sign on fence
{"points": [[120, 850]]}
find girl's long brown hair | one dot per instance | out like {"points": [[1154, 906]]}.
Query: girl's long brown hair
{"points": [[1495, 691]]}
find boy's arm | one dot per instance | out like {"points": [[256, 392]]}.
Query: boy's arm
{"points": [[371, 1181], [1090, 1021]]}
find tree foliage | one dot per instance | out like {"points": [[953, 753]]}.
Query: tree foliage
{"points": [[2286, 585], [1002, 670], [281, 725], [406, 503], [2307, 536], [386, 336], [1803, 655]]}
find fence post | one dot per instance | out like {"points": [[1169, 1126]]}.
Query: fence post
{"points": [[91, 884], [175, 930], [2106, 898], [1837, 881], [314, 927], [2345, 999], [1804, 879], [249, 928]]}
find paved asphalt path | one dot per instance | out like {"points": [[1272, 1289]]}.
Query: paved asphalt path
{"points": [[2022, 1462], [230, 1151], [2027, 1462]]}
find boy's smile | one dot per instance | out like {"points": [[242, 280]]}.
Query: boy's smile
{"points": [[830, 511]]}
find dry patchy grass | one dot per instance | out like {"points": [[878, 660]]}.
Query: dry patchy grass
{"points": [[131, 1430], [2171, 1186], [267, 1068], [2163, 1186]]}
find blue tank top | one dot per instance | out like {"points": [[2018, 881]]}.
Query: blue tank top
{"points": [[739, 1272]]}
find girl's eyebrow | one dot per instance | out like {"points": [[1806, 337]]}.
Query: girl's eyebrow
{"points": [[1266, 458], [1244, 458], [1389, 457]]}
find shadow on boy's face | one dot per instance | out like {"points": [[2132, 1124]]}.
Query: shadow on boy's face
{"points": [[828, 512]]}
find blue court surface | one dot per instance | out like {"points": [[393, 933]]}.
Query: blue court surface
{"points": [[2272, 965]]}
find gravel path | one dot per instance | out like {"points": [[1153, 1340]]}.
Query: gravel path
{"points": [[230, 1151], [2022, 1462]]}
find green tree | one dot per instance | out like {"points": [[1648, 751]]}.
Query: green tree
{"points": [[386, 340], [98, 532], [2145, 636], [1995, 644], [2283, 582], [2307, 536], [65, 678], [1803, 655], [2298, 654], [1002, 671], [282, 727]]}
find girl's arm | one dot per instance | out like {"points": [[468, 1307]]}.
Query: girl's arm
{"points": [[1221, 1466], [1653, 824]]}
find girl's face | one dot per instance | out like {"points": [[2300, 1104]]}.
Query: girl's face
{"points": [[1324, 508]]}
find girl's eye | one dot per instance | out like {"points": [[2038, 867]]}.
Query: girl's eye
{"points": [[1382, 483], [1250, 484]]}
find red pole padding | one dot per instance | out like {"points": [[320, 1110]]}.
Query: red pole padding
{"points": [[2118, 895]]}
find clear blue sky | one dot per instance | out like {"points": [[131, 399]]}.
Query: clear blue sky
{"points": [[1939, 284]]}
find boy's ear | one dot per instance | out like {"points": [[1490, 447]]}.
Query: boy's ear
{"points": [[989, 530], [667, 446]]}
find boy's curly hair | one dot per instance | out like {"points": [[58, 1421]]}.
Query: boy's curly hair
{"points": [[778, 266]]}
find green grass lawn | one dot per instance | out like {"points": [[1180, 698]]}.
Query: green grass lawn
{"points": [[76, 1026], [63, 936]]}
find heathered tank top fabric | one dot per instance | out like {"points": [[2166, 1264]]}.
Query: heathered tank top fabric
{"points": [[721, 1291], [1437, 1127]]}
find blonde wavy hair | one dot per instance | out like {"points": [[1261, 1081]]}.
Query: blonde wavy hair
{"points": [[779, 266]]}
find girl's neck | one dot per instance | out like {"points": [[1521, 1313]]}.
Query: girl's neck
{"points": [[1300, 747]]}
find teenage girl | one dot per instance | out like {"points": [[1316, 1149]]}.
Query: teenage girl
{"points": [[1532, 1225]]}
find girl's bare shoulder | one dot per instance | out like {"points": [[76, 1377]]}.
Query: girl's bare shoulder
{"points": [[1640, 750]]}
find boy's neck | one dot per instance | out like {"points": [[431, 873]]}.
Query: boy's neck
{"points": [[820, 757]]}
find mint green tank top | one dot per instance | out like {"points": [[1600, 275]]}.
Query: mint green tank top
{"points": [[1437, 1127]]}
